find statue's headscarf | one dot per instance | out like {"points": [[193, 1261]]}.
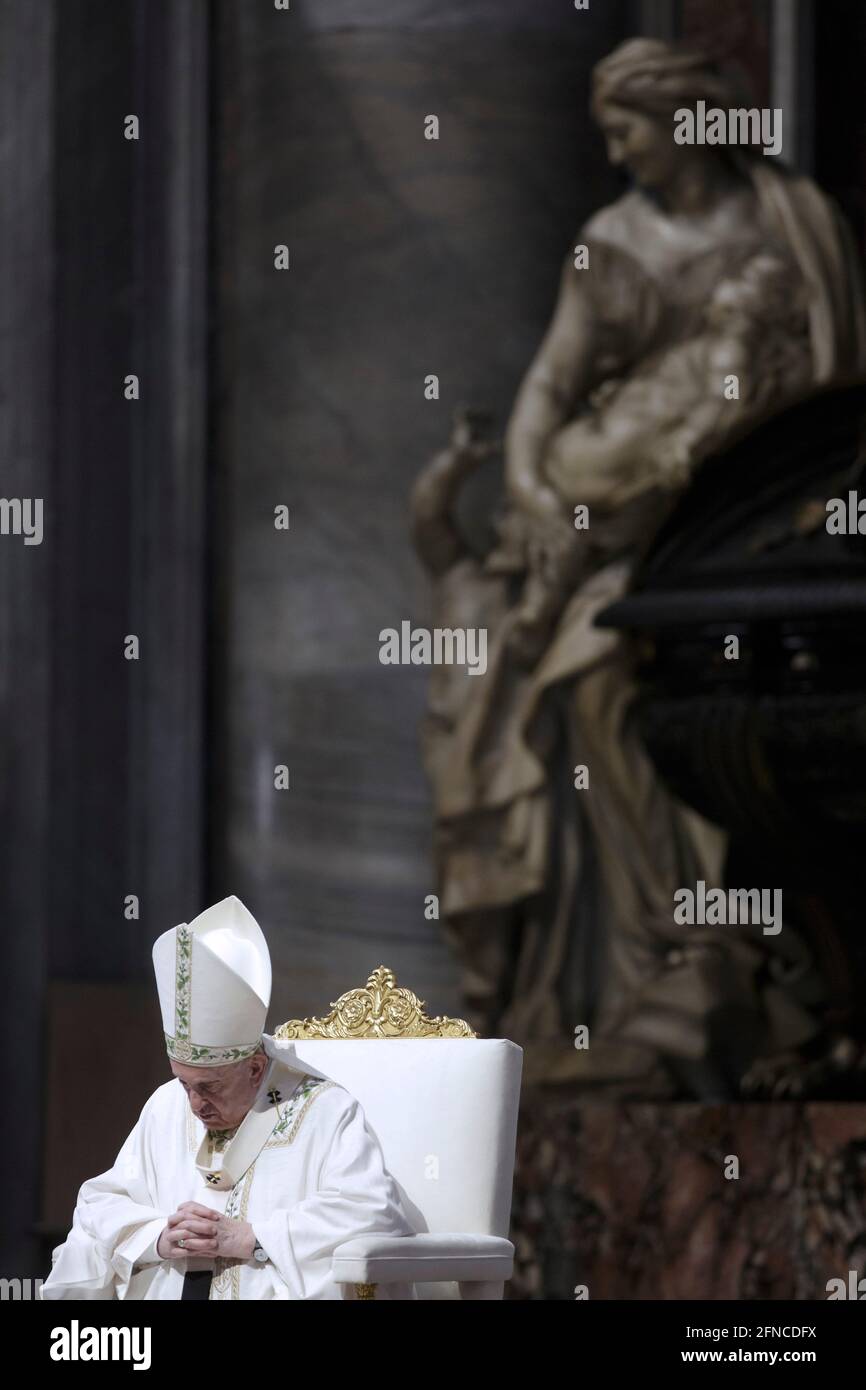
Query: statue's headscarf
{"points": [[657, 79]]}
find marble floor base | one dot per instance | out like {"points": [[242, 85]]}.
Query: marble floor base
{"points": [[632, 1201]]}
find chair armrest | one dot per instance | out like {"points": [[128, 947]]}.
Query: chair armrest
{"points": [[427, 1258]]}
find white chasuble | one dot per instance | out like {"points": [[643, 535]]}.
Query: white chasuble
{"points": [[317, 1180]]}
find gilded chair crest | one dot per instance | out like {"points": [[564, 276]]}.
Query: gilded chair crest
{"points": [[381, 1009]]}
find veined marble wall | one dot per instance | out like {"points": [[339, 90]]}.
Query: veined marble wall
{"points": [[643, 1201]]}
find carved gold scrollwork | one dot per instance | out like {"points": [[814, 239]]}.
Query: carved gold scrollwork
{"points": [[379, 1010]]}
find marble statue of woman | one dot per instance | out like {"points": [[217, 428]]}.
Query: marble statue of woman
{"points": [[558, 848]]}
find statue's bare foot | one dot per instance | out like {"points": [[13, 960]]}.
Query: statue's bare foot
{"points": [[839, 1070]]}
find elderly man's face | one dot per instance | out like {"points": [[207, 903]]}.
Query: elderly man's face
{"points": [[221, 1096]]}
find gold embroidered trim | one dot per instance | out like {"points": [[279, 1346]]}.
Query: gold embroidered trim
{"points": [[245, 1202], [288, 1138], [199, 1055], [227, 1273], [220, 1282]]}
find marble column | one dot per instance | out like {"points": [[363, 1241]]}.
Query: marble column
{"points": [[407, 257], [103, 254], [27, 374]]}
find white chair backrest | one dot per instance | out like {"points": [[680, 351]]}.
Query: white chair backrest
{"points": [[445, 1113]]}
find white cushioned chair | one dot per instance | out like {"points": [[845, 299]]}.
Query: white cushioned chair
{"points": [[443, 1104]]}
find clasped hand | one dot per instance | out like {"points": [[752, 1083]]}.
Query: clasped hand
{"points": [[205, 1233]]}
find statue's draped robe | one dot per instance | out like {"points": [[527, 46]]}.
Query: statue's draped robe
{"points": [[319, 1181], [490, 747]]}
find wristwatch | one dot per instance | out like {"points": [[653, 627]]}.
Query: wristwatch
{"points": [[260, 1254]]}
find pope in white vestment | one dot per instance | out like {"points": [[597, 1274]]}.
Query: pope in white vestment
{"points": [[300, 1174]]}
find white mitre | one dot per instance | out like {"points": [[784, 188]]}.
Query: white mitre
{"points": [[214, 980]]}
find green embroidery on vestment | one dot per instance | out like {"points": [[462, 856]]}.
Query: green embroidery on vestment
{"points": [[292, 1114], [226, 1282], [219, 1138], [182, 982], [181, 1050]]}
